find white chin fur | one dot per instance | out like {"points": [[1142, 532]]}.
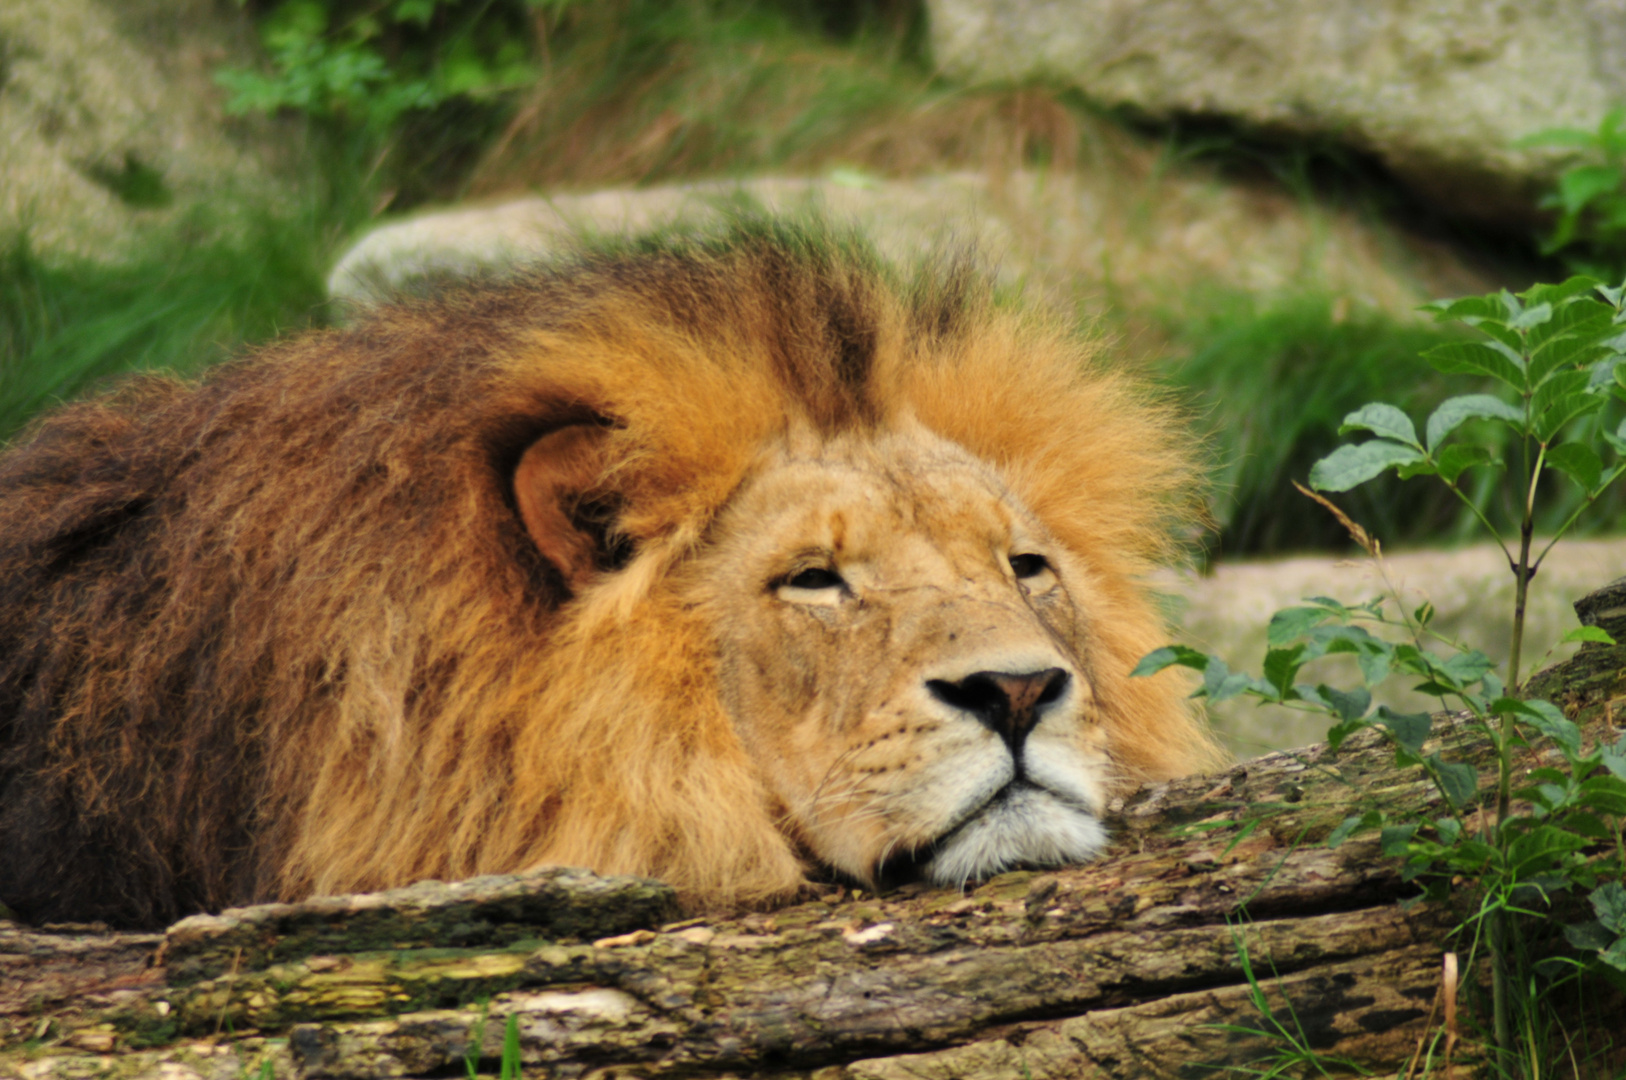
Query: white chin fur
{"points": [[1028, 826]]}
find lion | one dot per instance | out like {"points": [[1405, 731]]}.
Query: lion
{"points": [[725, 559]]}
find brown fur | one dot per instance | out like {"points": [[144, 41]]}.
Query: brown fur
{"points": [[285, 632]]}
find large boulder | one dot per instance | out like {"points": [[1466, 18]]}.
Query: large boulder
{"points": [[1439, 90], [109, 119], [1123, 233]]}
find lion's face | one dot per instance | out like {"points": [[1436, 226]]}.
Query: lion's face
{"points": [[904, 655]]}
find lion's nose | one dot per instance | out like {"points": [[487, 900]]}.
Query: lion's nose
{"points": [[1006, 702]]}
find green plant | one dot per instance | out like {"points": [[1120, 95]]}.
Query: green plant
{"points": [[510, 1069], [1292, 1053], [510, 1066], [367, 63], [1591, 195], [477, 1038], [1554, 353]]}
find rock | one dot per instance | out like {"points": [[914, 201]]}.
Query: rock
{"points": [[903, 219], [1122, 232], [109, 119], [1439, 91]]}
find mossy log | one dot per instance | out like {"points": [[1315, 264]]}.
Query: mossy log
{"points": [[1134, 966]]}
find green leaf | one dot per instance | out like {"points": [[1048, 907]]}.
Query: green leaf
{"points": [[1609, 902], [413, 11], [1349, 466], [1339, 732], [1548, 719], [1290, 624], [1478, 358], [1614, 758], [510, 1049], [1601, 375], [1616, 440], [1384, 421], [1537, 848], [1350, 825], [1170, 656], [1409, 729], [1605, 794], [1466, 666], [1574, 337], [1374, 663], [1220, 683], [1472, 310], [1457, 458], [1531, 316], [1579, 285], [1348, 704], [1579, 462], [1545, 717], [1596, 634], [1281, 667], [1576, 138], [1453, 411], [1395, 839], [1579, 186], [1559, 400], [1510, 303], [1459, 783], [1591, 936]]}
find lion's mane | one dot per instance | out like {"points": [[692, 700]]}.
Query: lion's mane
{"points": [[283, 632]]}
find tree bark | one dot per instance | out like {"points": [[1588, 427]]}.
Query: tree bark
{"points": [[1219, 933]]}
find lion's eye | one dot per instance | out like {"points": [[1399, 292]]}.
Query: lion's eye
{"points": [[817, 586], [815, 578], [1027, 566]]}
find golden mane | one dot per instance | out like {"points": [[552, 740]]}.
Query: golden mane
{"points": [[283, 632]]}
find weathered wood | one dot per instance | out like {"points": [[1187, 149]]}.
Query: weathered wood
{"points": [[488, 912], [1133, 966]]}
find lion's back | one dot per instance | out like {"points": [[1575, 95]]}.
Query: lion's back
{"points": [[184, 568]]}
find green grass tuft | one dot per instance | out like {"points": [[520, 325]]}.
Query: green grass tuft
{"points": [[189, 295], [1274, 383]]}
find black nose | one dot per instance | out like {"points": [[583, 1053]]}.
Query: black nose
{"points": [[1005, 702]]}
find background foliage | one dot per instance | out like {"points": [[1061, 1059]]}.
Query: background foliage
{"points": [[383, 105]]}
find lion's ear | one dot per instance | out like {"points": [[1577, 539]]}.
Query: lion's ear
{"points": [[549, 482]]}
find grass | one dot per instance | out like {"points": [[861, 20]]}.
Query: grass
{"points": [[198, 290], [1274, 381], [642, 91]]}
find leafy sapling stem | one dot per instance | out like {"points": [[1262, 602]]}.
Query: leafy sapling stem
{"points": [[1557, 353]]}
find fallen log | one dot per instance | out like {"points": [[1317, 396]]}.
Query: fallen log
{"points": [[1219, 933]]}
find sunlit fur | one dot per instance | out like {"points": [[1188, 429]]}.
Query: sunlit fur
{"points": [[283, 632]]}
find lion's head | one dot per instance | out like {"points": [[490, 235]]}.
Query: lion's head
{"points": [[904, 651], [710, 559]]}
